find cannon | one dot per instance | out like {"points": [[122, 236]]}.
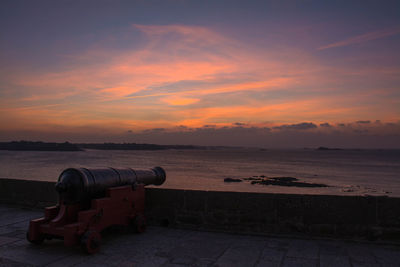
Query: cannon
{"points": [[91, 200]]}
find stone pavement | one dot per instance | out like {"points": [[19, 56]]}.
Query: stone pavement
{"points": [[160, 246]]}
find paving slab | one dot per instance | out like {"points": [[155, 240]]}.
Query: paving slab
{"points": [[306, 249], [206, 247], [162, 246], [327, 260], [271, 257], [16, 216], [5, 240], [387, 256], [361, 254], [242, 252], [22, 251], [299, 262], [10, 263], [333, 254]]}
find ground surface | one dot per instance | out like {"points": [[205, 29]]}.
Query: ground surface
{"points": [[172, 247]]}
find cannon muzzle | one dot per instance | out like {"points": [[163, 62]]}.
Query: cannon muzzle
{"points": [[77, 185]]}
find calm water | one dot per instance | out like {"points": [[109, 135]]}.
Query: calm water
{"points": [[374, 172]]}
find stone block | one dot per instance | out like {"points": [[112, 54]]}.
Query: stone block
{"points": [[215, 217], [166, 198], [351, 230], [228, 201], [269, 228], [340, 210], [290, 208], [26, 192], [390, 233], [190, 218], [195, 200], [162, 205], [388, 212], [322, 229]]}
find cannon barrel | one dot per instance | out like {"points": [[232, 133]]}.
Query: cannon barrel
{"points": [[81, 184]]}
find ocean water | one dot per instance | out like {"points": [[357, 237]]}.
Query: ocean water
{"points": [[347, 172]]}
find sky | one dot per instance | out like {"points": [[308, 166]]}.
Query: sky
{"points": [[236, 73]]}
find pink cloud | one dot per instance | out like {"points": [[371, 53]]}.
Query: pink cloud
{"points": [[127, 89], [363, 38]]}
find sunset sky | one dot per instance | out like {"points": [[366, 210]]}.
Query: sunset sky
{"points": [[245, 73]]}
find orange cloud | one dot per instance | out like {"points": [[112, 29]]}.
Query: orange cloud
{"points": [[177, 78], [119, 91], [179, 101]]}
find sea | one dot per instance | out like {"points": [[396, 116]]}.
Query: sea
{"points": [[346, 172]]}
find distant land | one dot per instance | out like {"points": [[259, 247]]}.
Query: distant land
{"points": [[134, 146], [328, 148], [38, 146], [66, 146]]}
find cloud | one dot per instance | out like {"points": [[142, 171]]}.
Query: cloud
{"points": [[154, 130], [363, 38], [325, 124], [179, 101], [203, 88], [187, 34], [185, 75], [352, 135], [209, 126], [300, 135], [298, 126]]}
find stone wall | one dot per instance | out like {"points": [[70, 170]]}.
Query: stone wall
{"points": [[27, 193], [316, 215]]}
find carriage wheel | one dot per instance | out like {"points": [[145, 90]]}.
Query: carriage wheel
{"points": [[90, 241], [139, 224], [34, 241]]}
